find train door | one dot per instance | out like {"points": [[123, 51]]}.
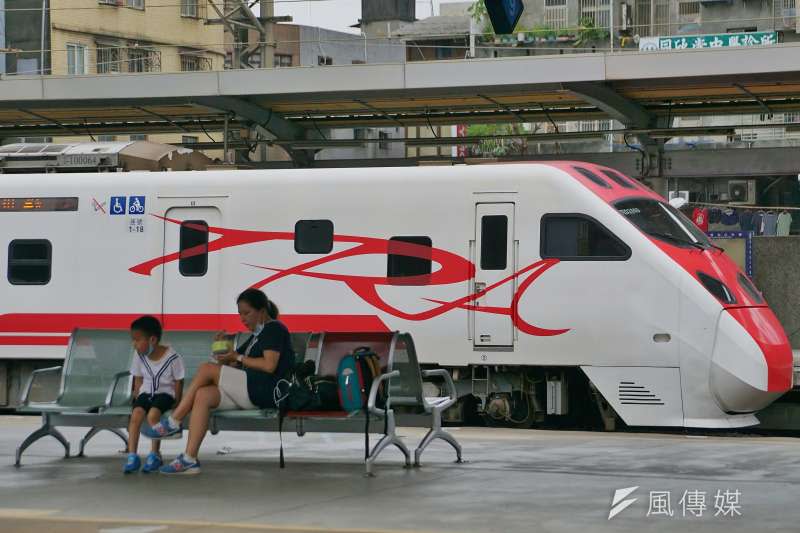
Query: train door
{"points": [[494, 262], [191, 296]]}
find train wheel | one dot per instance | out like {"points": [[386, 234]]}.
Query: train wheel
{"points": [[515, 410]]}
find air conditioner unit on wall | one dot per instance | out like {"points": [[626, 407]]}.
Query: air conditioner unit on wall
{"points": [[742, 191], [679, 194]]}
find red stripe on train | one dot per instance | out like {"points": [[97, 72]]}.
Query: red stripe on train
{"points": [[65, 323], [27, 340]]}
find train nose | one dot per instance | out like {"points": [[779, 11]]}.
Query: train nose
{"points": [[752, 361]]}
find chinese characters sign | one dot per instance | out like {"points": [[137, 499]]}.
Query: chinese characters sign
{"points": [[724, 40], [692, 503]]}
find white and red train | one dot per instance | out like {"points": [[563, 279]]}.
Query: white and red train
{"points": [[529, 281]]}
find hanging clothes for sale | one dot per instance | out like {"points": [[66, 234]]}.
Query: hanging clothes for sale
{"points": [[784, 224], [770, 224], [714, 215], [730, 217], [746, 220], [700, 218], [758, 223]]}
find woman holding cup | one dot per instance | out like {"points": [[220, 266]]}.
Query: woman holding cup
{"points": [[244, 378]]}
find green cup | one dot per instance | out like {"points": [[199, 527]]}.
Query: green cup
{"points": [[221, 347]]}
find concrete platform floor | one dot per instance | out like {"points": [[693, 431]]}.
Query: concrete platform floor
{"points": [[516, 480]]}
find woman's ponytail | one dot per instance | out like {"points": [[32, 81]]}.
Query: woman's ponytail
{"points": [[272, 310]]}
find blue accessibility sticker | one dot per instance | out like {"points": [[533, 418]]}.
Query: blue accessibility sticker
{"points": [[136, 205], [117, 206]]}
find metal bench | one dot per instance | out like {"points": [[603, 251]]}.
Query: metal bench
{"points": [[326, 350], [95, 361], [96, 391], [404, 380], [408, 392], [96, 387]]}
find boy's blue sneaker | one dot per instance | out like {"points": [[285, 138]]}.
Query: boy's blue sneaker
{"points": [[132, 465], [161, 430], [152, 463], [180, 466]]}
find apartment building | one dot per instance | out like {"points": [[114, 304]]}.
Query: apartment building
{"points": [[108, 37]]}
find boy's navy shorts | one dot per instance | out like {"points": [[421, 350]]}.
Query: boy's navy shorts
{"points": [[163, 402]]}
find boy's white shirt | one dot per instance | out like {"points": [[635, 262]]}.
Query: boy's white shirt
{"points": [[162, 373]]}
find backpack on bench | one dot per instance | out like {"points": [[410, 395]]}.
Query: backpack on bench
{"points": [[357, 371], [355, 375]]}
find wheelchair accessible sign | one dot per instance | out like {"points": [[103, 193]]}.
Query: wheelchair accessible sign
{"points": [[127, 205]]}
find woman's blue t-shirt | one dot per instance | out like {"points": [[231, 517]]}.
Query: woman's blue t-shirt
{"points": [[260, 385]]}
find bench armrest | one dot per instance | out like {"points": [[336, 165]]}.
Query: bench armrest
{"points": [[113, 388], [448, 379], [26, 392], [373, 391]]}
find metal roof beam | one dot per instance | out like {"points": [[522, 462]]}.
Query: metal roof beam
{"points": [[615, 105], [265, 118]]}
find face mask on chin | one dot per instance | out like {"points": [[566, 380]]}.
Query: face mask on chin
{"points": [[150, 349]]}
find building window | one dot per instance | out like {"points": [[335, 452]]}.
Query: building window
{"points": [[324, 60], [282, 60], [142, 59], [189, 139], [598, 11], [108, 2], [313, 237], [689, 11], [494, 242], [555, 14], [579, 237], [189, 63], [135, 4], [359, 134], [651, 17], [106, 138], [193, 260], [108, 59], [138, 137], [29, 262], [194, 61], [189, 8], [383, 142], [410, 262], [76, 59]]}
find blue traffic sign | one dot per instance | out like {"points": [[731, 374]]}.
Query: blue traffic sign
{"points": [[136, 205], [118, 204]]}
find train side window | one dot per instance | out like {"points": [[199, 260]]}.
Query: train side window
{"points": [[193, 259], [411, 263], [30, 261], [494, 242], [576, 237], [313, 236]]}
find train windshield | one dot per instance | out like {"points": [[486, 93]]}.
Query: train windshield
{"points": [[662, 221]]}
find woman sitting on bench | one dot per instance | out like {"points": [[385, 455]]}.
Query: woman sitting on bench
{"points": [[241, 379]]}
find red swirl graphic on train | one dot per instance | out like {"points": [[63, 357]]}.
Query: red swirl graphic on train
{"points": [[452, 269]]}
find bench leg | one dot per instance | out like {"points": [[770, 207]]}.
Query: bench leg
{"points": [[390, 438], [45, 430], [94, 431], [436, 432]]}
